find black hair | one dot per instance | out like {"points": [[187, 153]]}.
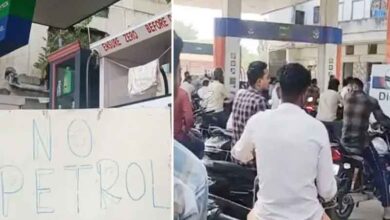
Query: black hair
{"points": [[357, 82], [205, 82], [347, 81], [188, 78], [334, 84], [294, 81], [178, 46], [218, 73], [256, 71], [186, 73], [314, 81]]}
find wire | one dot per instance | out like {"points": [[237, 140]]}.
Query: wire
{"points": [[93, 53]]}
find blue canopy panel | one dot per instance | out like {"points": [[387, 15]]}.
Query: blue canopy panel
{"points": [[234, 27]]}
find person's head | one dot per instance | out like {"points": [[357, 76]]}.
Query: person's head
{"points": [[347, 81], [314, 82], [205, 83], [334, 84], [218, 75], [258, 76], [294, 81], [273, 80], [332, 77], [186, 74], [356, 84], [187, 78], [178, 46]]}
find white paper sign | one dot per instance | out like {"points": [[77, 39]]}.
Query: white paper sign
{"points": [[85, 164]]}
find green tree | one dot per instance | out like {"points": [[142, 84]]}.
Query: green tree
{"points": [[186, 32], [57, 38]]}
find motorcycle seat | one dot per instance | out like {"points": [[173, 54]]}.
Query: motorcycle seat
{"points": [[229, 167]]}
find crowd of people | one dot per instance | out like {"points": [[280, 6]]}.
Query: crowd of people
{"points": [[290, 148]]}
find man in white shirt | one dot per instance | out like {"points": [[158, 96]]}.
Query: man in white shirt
{"points": [[187, 86], [329, 102], [204, 92], [218, 92], [294, 160], [217, 95]]}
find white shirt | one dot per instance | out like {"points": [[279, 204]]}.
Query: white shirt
{"points": [[275, 99], [204, 94], [344, 91], [218, 94], [327, 108], [291, 159], [189, 88]]}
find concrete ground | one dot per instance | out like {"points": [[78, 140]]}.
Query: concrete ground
{"points": [[370, 210]]}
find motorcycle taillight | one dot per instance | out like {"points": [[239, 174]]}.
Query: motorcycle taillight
{"points": [[336, 155]]}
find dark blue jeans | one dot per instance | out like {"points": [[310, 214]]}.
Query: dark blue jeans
{"points": [[378, 167]]}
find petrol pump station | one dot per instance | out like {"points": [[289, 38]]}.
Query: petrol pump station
{"points": [[228, 58]]}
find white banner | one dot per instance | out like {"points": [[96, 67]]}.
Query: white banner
{"points": [[85, 164], [135, 35]]}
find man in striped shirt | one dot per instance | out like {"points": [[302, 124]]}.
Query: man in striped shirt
{"points": [[250, 101]]}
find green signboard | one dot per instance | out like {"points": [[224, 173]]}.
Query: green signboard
{"points": [[15, 24]]}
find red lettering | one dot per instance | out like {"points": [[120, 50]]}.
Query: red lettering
{"points": [[157, 25], [111, 44], [131, 36]]}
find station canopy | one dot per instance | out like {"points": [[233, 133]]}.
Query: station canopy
{"points": [[248, 6], [65, 13]]}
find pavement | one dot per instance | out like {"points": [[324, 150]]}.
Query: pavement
{"points": [[370, 210]]}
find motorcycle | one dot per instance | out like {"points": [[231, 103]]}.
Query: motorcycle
{"points": [[218, 144], [354, 176], [311, 106], [233, 185]]}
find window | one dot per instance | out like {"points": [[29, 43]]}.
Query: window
{"points": [[347, 70], [103, 13], [299, 17], [316, 15], [349, 50], [357, 9], [341, 11], [372, 48]]}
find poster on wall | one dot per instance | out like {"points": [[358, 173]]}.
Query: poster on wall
{"points": [[380, 86], [85, 164]]}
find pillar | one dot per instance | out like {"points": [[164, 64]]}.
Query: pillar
{"points": [[227, 52], [327, 54]]}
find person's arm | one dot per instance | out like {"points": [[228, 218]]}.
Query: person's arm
{"points": [[188, 114], [224, 91], [243, 149], [326, 182], [381, 117], [340, 100]]}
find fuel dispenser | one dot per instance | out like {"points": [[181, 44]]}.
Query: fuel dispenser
{"points": [[68, 78]]}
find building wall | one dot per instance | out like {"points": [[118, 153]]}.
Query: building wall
{"points": [[359, 29]]}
